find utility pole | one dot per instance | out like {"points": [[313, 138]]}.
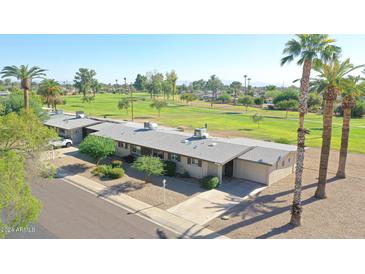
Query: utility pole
{"points": [[245, 76], [131, 96], [116, 85], [248, 83]]}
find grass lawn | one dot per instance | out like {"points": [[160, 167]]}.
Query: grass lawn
{"points": [[223, 120]]}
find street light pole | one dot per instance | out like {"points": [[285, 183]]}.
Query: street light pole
{"points": [[116, 85]]}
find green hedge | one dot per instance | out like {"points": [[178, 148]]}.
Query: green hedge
{"points": [[170, 168], [116, 172], [210, 182]]}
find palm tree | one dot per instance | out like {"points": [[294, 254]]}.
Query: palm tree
{"points": [[50, 90], [309, 48], [330, 81], [352, 88], [25, 75]]}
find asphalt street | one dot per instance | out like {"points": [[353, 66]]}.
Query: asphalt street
{"points": [[72, 213]]}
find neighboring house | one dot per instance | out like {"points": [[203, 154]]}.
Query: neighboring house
{"points": [[70, 126]]}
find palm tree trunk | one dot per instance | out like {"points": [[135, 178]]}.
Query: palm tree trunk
{"points": [[341, 172], [26, 99], [330, 96], [296, 209]]}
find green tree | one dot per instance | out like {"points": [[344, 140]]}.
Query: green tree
{"points": [[309, 48], [50, 91], [15, 103], [188, 97], [158, 105], [97, 147], [84, 81], [25, 75], [286, 95], [314, 101], [23, 133], [224, 98], [124, 104], [236, 89], [246, 100], [149, 166], [259, 101], [140, 82], [287, 105], [257, 118], [199, 85], [18, 206], [330, 81], [171, 79], [214, 84], [352, 89]]}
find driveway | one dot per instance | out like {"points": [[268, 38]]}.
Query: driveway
{"points": [[206, 206]]}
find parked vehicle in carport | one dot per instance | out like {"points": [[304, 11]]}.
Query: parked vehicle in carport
{"points": [[62, 142]]}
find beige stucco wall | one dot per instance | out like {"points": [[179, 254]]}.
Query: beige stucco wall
{"points": [[263, 173], [250, 171], [283, 168], [121, 152], [76, 135]]}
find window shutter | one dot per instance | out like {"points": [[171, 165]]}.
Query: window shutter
{"points": [[200, 163], [189, 160]]}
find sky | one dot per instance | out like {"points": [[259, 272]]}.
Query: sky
{"points": [[193, 57]]}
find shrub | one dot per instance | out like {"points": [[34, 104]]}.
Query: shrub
{"points": [[101, 170], [289, 94], [170, 168], [48, 170], [357, 112], [129, 159], [116, 163], [210, 182], [97, 147], [115, 173], [108, 171]]}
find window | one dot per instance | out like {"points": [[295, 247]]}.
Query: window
{"points": [[123, 145], [136, 150], [174, 157], [194, 162], [158, 153]]}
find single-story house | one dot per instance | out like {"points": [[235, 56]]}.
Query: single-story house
{"points": [[200, 155], [70, 126]]}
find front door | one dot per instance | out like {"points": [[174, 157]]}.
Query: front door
{"points": [[228, 169]]}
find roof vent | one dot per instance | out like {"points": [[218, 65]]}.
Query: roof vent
{"points": [[149, 125]]}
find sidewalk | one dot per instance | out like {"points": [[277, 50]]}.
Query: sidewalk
{"points": [[185, 227]]}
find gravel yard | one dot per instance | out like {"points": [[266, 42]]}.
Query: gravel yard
{"points": [[132, 184], [341, 215]]}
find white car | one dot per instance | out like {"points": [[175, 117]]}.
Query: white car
{"points": [[62, 142]]}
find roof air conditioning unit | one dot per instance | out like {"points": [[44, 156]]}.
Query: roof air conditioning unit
{"points": [[150, 125], [80, 114], [201, 133]]}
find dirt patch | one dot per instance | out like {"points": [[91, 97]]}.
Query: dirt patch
{"points": [[132, 184], [338, 216]]}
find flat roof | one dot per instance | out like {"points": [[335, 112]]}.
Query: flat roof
{"points": [[263, 155], [68, 122], [206, 149]]}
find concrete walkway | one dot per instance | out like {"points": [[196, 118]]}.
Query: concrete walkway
{"points": [[208, 205], [176, 223]]}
